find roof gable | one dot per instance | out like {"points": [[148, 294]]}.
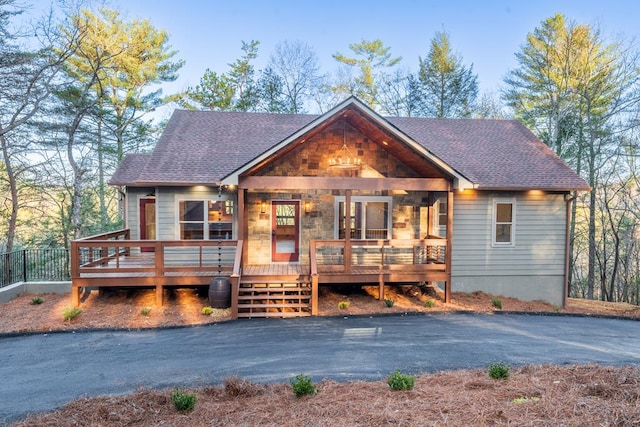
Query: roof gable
{"points": [[350, 110], [210, 148]]}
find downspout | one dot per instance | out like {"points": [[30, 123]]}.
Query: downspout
{"points": [[568, 199]]}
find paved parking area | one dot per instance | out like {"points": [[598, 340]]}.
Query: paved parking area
{"points": [[42, 372]]}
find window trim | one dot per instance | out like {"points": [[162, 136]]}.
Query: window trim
{"points": [[336, 211], [205, 218], [494, 222]]}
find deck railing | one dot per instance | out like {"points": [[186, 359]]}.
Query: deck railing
{"points": [[114, 260], [338, 256]]}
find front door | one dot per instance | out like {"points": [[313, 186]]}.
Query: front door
{"points": [[147, 221], [285, 231]]}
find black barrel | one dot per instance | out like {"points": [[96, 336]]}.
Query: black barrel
{"points": [[220, 292]]}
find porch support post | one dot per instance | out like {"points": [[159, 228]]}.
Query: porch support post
{"points": [[447, 258], [347, 231], [381, 287], [243, 227]]}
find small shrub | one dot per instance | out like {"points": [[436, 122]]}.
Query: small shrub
{"points": [[499, 371], [388, 302], [497, 303], [183, 401], [429, 303], [36, 301], [343, 304], [399, 381], [145, 311], [302, 385], [70, 313], [207, 311]]}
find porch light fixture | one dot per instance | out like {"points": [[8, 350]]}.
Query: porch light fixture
{"points": [[263, 207], [307, 207], [344, 159]]}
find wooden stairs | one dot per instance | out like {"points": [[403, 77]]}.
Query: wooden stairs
{"points": [[286, 296]]}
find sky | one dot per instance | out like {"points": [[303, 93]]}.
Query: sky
{"points": [[486, 34]]}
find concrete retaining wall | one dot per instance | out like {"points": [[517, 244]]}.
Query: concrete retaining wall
{"points": [[10, 292]]}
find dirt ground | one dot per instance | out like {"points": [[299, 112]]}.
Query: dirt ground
{"points": [[532, 395]]}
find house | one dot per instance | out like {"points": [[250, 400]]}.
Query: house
{"points": [[283, 203]]}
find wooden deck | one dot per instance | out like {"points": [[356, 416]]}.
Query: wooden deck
{"points": [[115, 261]]}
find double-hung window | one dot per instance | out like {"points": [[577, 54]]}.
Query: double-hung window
{"points": [[504, 222], [370, 218], [205, 219]]}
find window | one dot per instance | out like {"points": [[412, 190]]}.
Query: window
{"points": [[205, 219], [440, 217], [370, 218], [503, 222]]}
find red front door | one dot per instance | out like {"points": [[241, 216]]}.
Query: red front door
{"points": [[147, 221], [285, 231]]}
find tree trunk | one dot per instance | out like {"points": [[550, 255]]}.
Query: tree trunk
{"points": [[101, 183], [13, 195]]}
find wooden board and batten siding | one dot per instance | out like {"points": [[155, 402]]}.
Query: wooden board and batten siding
{"points": [[532, 269]]}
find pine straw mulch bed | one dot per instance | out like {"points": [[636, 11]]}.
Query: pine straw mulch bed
{"points": [[124, 308], [588, 395]]}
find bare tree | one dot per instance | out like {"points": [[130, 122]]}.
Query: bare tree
{"points": [[26, 82], [296, 63]]}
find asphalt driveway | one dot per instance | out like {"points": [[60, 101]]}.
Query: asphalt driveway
{"points": [[42, 372]]}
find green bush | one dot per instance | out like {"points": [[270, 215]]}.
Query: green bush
{"points": [[70, 313], [183, 401], [302, 385], [388, 302], [499, 371], [36, 301], [399, 381], [429, 303], [145, 311], [497, 303], [207, 311], [343, 304]]}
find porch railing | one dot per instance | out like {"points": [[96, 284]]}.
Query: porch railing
{"points": [[338, 256]]}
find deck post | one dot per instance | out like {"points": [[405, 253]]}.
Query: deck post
{"points": [[235, 291], [314, 295], [381, 287], [347, 232], [75, 295], [159, 272], [75, 273]]}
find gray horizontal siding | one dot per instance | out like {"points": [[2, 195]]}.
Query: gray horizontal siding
{"points": [[133, 209], [539, 236], [167, 208]]}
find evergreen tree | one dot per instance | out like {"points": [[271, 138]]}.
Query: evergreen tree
{"points": [[447, 87]]}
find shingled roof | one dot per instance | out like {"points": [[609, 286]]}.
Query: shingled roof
{"points": [[204, 147]]}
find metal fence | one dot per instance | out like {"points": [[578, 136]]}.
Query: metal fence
{"points": [[31, 265]]}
